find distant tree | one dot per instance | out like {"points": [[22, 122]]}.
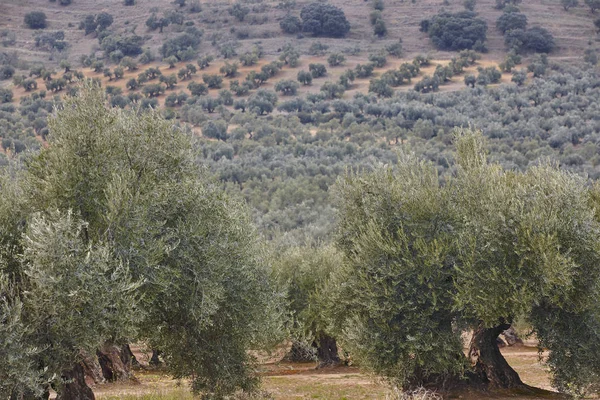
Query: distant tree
{"points": [[378, 59], [171, 60], [6, 95], [197, 89], [395, 49], [428, 84], [539, 40], [347, 78], [336, 59], [470, 5], [569, 4], [98, 66], [180, 3], [204, 62], [364, 70], [64, 2], [153, 90], [132, 84], [229, 70], [169, 80], [35, 20], [290, 55], [381, 88], [103, 21], [6, 72], [239, 11], [332, 90], [590, 56], [379, 29], [511, 20], [287, 87], [291, 24], [212, 81], [248, 59], [470, 80], [593, 5], [455, 31], [118, 73], [519, 77], [317, 70], [262, 102], [128, 2], [305, 78], [129, 63], [215, 129], [226, 97], [322, 19]]}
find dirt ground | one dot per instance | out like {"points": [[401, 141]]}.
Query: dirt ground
{"points": [[286, 380]]}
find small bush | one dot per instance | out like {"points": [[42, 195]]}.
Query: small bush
{"points": [[35, 20]]}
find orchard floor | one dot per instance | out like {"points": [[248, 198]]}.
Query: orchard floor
{"points": [[303, 381]]}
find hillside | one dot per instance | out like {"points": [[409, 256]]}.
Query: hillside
{"points": [[572, 30]]}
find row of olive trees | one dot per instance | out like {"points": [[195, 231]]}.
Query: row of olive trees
{"points": [[416, 263]]}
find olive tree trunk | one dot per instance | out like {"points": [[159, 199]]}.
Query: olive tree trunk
{"points": [[75, 387], [488, 362], [327, 351], [112, 365]]}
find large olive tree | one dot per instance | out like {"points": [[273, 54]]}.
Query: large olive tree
{"points": [[426, 261], [117, 195]]}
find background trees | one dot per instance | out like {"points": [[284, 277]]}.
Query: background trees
{"points": [[456, 31], [322, 19]]}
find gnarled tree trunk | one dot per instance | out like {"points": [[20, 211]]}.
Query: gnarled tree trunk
{"points": [[128, 357], [327, 351], [488, 362], [75, 387], [113, 368]]}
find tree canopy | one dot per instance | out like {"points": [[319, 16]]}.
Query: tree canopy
{"points": [[322, 19], [483, 249], [117, 204]]}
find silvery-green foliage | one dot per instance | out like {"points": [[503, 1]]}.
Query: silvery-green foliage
{"points": [[424, 260], [131, 178], [77, 294], [18, 370]]}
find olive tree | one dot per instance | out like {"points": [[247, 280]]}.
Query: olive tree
{"points": [[120, 207], [425, 261]]}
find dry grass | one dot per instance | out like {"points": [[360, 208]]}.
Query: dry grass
{"points": [[284, 381]]}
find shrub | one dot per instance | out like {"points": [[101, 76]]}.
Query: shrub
{"points": [[197, 89], [394, 49], [212, 81], [455, 31], [6, 95], [511, 20], [229, 70], [215, 129], [287, 87], [176, 46], [317, 70], [239, 11], [378, 59], [336, 59], [291, 24], [470, 4], [305, 78], [35, 20], [6, 72], [379, 29], [321, 19], [569, 3]]}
